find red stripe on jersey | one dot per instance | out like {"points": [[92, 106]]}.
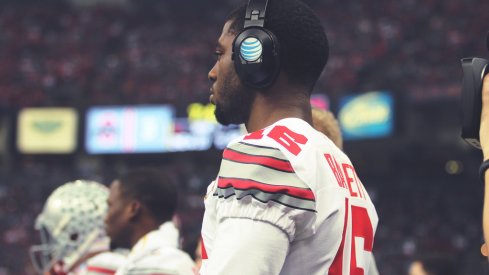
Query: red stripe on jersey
{"points": [[203, 251], [100, 270], [255, 135], [244, 184], [336, 267], [273, 163]]}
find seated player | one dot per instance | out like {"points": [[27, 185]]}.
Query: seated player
{"points": [[72, 232], [326, 123], [142, 204]]}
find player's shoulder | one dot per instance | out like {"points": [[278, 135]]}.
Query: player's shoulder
{"points": [[283, 146], [105, 263], [260, 149], [258, 153], [258, 166], [290, 136]]}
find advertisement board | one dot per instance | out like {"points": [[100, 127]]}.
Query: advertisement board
{"points": [[47, 130], [369, 115]]}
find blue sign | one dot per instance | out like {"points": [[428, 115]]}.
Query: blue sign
{"points": [[129, 129]]}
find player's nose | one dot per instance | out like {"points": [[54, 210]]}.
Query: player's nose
{"points": [[212, 75]]}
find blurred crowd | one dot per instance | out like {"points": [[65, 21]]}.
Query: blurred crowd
{"points": [[56, 54], [422, 218], [52, 53]]}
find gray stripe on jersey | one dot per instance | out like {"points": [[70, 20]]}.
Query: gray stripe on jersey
{"points": [[255, 172], [264, 197], [258, 150]]}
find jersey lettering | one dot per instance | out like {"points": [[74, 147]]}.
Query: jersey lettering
{"points": [[255, 135], [336, 267], [288, 139], [333, 164], [346, 177], [361, 230], [362, 240], [350, 178]]}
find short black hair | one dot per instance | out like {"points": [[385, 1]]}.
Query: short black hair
{"points": [[154, 189], [304, 47]]}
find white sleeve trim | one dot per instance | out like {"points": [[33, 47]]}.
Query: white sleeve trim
{"points": [[295, 223], [247, 247]]}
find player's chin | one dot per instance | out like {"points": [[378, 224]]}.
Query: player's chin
{"points": [[221, 115], [113, 245], [109, 234], [115, 242]]}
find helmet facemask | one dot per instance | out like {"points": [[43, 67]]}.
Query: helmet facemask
{"points": [[71, 226]]}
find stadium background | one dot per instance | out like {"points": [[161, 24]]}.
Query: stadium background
{"points": [[79, 54]]}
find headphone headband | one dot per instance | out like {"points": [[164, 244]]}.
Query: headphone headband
{"points": [[255, 13]]}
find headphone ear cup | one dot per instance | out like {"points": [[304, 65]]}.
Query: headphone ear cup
{"points": [[256, 57]]}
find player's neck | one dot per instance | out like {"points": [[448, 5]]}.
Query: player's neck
{"points": [[143, 227], [267, 110]]}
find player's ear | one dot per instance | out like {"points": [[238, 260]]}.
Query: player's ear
{"points": [[133, 209], [484, 250]]}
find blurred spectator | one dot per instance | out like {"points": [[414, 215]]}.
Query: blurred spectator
{"points": [[434, 265]]}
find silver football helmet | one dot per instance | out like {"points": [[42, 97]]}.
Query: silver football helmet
{"points": [[71, 225]]}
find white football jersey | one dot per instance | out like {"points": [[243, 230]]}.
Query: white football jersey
{"points": [[295, 185], [105, 263], [157, 253]]}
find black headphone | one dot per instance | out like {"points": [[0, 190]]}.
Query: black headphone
{"points": [[256, 49]]}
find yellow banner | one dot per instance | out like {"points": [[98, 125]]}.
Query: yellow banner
{"points": [[47, 130]]}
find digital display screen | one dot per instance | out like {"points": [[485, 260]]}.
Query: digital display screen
{"points": [[155, 129], [129, 129], [225, 134], [202, 128], [192, 135]]}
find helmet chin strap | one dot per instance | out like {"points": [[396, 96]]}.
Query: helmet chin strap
{"points": [[61, 225], [88, 247]]}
